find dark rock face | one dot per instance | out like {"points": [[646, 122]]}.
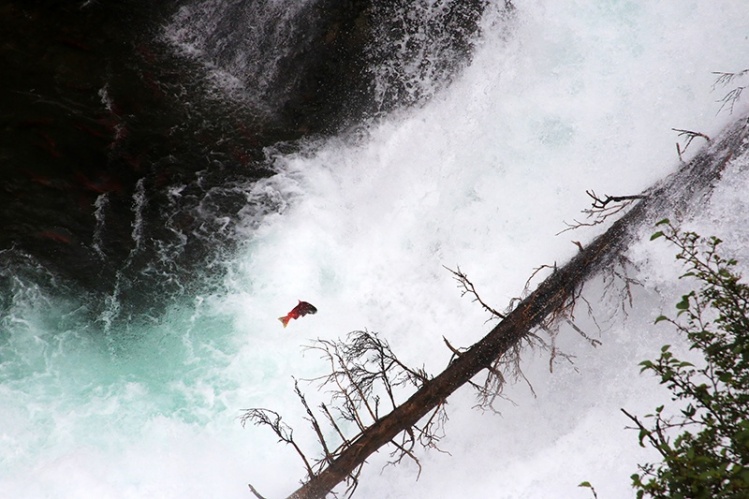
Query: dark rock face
{"points": [[321, 65], [125, 175], [420, 46], [297, 63]]}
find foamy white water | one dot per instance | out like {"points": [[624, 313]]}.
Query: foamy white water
{"points": [[580, 95]]}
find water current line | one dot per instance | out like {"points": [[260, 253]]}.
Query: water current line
{"points": [[99, 214], [139, 203]]}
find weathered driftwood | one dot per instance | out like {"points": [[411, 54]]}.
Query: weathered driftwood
{"points": [[675, 194]]}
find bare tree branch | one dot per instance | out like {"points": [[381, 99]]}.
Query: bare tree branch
{"points": [[285, 434], [255, 492], [467, 288], [600, 210], [725, 79], [328, 457], [690, 135]]}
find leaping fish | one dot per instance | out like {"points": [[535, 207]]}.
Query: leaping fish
{"points": [[303, 308]]}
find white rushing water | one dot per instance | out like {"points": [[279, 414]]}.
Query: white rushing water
{"points": [[580, 95]]}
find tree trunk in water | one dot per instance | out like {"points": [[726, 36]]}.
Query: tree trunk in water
{"points": [[676, 193]]}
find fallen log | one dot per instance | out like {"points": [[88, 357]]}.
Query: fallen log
{"points": [[689, 186]]}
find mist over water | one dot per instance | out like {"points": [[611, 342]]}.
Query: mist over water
{"points": [[560, 98]]}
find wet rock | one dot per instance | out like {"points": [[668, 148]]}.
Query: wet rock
{"points": [[124, 171]]}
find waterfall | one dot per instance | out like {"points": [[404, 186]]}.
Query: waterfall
{"points": [[469, 147]]}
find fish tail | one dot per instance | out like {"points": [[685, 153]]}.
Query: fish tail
{"points": [[284, 320]]}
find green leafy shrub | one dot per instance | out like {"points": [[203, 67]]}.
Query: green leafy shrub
{"points": [[705, 446]]}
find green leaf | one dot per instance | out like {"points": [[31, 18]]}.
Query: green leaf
{"points": [[585, 484], [684, 303], [660, 318], [662, 222], [656, 235]]}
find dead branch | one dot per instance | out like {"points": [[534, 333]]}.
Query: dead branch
{"points": [[285, 434], [690, 136], [328, 457], [401, 452], [528, 284], [593, 342], [601, 203], [724, 79], [255, 492], [432, 431], [493, 384], [455, 351], [361, 367], [730, 99], [335, 426], [600, 210], [467, 287], [555, 353], [618, 286]]}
